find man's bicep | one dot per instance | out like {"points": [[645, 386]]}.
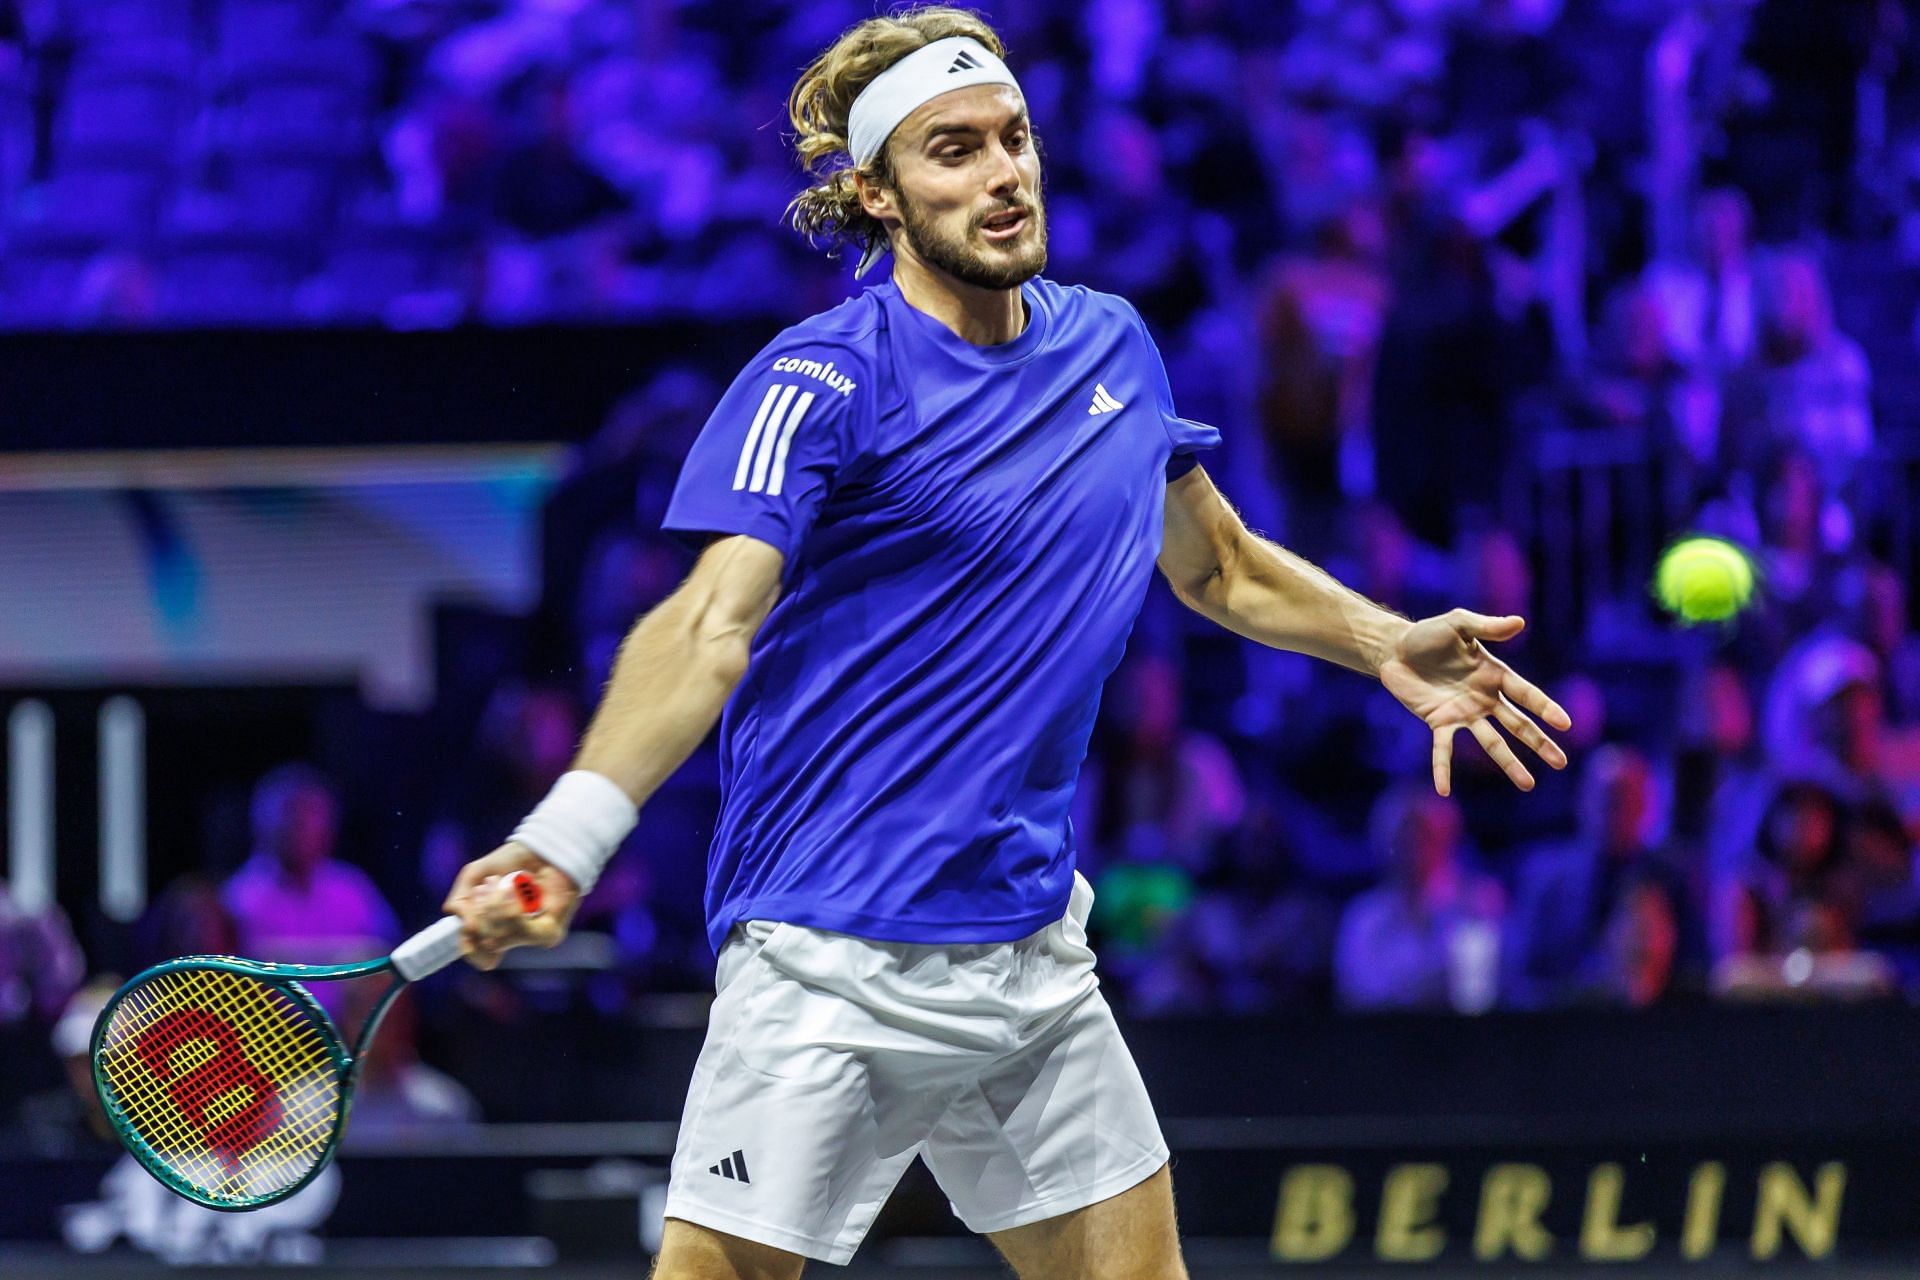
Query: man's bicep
{"points": [[1195, 532], [736, 582]]}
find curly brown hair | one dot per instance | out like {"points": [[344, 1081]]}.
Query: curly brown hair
{"points": [[822, 100]]}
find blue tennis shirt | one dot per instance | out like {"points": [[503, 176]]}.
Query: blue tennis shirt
{"points": [[968, 532]]}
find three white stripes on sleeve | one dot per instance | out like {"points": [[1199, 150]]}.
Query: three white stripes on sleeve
{"points": [[763, 458]]}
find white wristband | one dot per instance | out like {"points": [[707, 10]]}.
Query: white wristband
{"points": [[579, 825]]}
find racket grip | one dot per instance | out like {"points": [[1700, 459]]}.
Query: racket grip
{"points": [[438, 945], [428, 951]]}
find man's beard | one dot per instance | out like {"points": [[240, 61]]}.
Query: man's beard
{"points": [[958, 258]]}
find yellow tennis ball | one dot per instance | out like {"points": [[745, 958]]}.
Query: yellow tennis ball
{"points": [[1704, 579]]}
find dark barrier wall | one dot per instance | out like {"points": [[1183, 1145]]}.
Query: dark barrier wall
{"points": [[335, 386], [1688, 1074]]}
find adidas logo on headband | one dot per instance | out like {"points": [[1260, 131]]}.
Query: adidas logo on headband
{"points": [[965, 62]]}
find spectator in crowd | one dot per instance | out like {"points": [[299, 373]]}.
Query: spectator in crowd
{"points": [[1157, 789], [1440, 399], [544, 188], [40, 962], [1154, 802], [1798, 862], [1721, 777], [1801, 553], [1807, 388], [1826, 721], [1708, 300], [1287, 924], [1134, 906], [187, 919], [1143, 255], [293, 900], [1427, 938], [1505, 825], [1568, 893], [1637, 964], [1319, 322], [1643, 385], [116, 290], [1250, 936], [1882, 605], [649, 899], [1883, 887], [1818, 961]]}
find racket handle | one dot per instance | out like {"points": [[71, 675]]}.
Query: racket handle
{"points": [[428, 951], [438, 945]]}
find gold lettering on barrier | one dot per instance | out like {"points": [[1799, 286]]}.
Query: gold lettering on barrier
{"points": [[1314, 1220], [1813, 1219], [1512, 1198], [1409, 1203], [1700, 1232], [1602, 1238]]}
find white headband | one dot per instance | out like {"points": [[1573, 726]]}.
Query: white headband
{"points": [[957, 62]]}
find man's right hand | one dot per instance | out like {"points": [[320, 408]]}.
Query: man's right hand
{"points": [[494, 919]]}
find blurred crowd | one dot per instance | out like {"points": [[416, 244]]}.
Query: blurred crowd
{"points": [[1491, 298]]}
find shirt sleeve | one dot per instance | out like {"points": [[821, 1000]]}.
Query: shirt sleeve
{"points": [[1187, 436], [771, 451]]}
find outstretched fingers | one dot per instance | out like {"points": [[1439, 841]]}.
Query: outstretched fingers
{"points": [[1521, 726], [1524, 693], [1502, 754]]}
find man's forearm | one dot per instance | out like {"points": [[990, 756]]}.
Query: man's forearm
{"points": [[1267, 593], [673, 676]]}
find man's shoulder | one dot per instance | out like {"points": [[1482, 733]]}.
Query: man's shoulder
{"points": [[1084, 304], [836, 351], [853, 327]]}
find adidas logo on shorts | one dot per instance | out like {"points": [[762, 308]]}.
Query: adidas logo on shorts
{"points": [[734, 1167]]}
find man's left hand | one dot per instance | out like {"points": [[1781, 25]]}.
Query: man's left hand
{"points": [[1443, 672]]}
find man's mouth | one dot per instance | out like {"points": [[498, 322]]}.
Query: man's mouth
{"points": [[1005, 225]]}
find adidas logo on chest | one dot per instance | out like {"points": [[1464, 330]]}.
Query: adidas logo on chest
{"points": [[1103, 402]]}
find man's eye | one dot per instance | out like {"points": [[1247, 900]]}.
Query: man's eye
{"points": [[1018, 141]]}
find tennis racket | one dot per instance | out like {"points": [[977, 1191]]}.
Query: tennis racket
{"points": [[229, 1082]]}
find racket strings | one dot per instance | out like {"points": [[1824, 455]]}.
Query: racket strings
{"points": [[228, 1082]]}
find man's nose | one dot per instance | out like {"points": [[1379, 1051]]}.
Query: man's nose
{"points": [[1005, 179]]}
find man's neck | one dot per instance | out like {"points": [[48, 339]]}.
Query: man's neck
{"points": [[982, 317]]}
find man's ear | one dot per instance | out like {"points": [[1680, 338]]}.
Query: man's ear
{"points": [[876, 201]]}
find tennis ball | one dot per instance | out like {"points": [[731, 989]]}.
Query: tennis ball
{"points": [[1704, 579]]}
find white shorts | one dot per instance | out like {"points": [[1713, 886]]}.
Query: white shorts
{"points": [[831, 1061]]}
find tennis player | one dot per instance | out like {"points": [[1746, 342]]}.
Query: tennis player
{"points": [[929, 518]]}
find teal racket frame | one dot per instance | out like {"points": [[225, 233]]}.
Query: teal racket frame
{"points": [[287, 978]]}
